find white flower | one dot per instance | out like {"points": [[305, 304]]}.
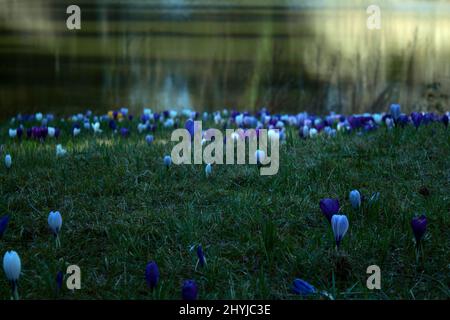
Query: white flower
{"points": [[60, 151], [96, 127], [8, 161], [239, 119], [378, 118], [273, 134], [173, 114], [260, 156], [55, 221], [147, 111], [169, 123], [355, 199], [208, 169], [12, 133], [313, 133], [142, 127], [11, 265], [235, 136], [305, 131], [38, 116], [51, 132], [76, 131], [339, 224]]}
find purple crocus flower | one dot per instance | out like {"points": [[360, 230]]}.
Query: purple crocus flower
{"points": [[444, 120], [189, 291], [303, 288], [124, 132], [152, 274], [112, 125], [416, 118], [19, 132], [329, 207], [189, 126], [59, 280], [201, 255], [3, 224], [419, 226]]}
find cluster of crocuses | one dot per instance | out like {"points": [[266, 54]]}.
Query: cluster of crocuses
{"points": [[339, 224], [308, 126], [189, 289], [12, 264]]}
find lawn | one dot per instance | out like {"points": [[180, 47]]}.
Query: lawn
{"points": [[122, 208]]}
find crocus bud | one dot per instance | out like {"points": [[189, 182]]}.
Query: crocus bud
{"points": [[303, 288], [313, 132], [419, 226], [189, 290], [329, 207], [55, 222], [76, 131], [12, 133], [208, 169], [355, 199], [12, 266], [339, 224], [395, 111], [51, 132], [260, 156], [59, 280], [124, 132], [152, 274], [149, 139], [201, 255], [167, 161], [8, 161], [3, 224]]}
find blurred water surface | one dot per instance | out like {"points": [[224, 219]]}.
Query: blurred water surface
{"points": [[286, 55]]}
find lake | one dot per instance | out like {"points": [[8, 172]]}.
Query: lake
{"points": [[289, 56]]}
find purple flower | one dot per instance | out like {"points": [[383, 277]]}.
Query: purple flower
{"points": [[112, 125], [303, 288], [416, 118], [20, 131], [3, 224], [444, 120], [419, 226], [59, 280], [152, 274], [124, 132], [201, 255], [329, 207], [189, 291], [149, 139], [189, 126]]}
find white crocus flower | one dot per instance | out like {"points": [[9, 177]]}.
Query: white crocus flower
{"points": [[55, 222], [51, 132], [76, 131], [339, 224], [313, 132], [12, 267], [96, 127], [8, 161], [12, 133], [60, 151]]}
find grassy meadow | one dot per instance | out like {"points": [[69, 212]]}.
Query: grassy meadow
{"points": [[122, 208]]}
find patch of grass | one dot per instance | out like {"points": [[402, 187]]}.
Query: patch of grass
{"points": [[121, 208]]}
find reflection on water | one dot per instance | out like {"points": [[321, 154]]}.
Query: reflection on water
{"points": [[287, 55]]}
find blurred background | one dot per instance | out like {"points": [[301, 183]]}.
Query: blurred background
{"points": [[286, 55]]}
